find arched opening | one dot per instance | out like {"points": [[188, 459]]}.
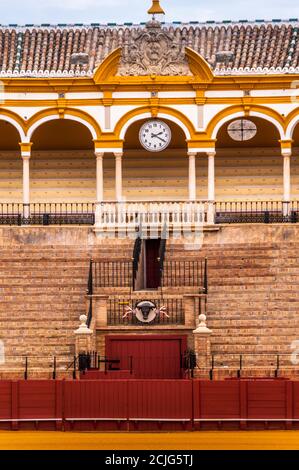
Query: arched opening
{"points": [[63, 165], [295, 164], [155, 176], [248, 163], [10, 164]]}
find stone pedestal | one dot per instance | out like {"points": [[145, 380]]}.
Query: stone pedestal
{"points": [[84, 338], [99, 308], [202, 347]]}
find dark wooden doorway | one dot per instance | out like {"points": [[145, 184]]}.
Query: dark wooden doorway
{"points": [[152, 266]]}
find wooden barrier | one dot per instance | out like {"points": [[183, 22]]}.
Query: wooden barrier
{"points": [[149, 404]]}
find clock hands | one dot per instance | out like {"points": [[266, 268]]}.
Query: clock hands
{"points": [[157, 135]]}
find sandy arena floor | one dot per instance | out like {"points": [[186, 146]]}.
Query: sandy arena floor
{"points": [[261, 440]]}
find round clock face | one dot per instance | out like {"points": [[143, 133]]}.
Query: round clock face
{"points": [[155, 135], [242, 129]]}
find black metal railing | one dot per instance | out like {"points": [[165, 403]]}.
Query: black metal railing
{"points": [[11, 213], [90, 293], [31, 366], [162, 251], [205, 278], [62, 214], [80, 213], [136, 258], [90, 279], [267, 212], [112, 274], [249, 363], [185, 274], [116, 311]]}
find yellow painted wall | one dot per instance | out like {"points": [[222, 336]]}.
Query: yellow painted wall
{"points": [[249, 174], [62, 176], [11, 168], [69, 176]]}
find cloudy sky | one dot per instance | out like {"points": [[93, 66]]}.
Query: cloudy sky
{"points": [[120, 11]]}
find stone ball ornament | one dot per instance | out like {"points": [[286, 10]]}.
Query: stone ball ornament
{"points": [[83, 319], [145, 311]]}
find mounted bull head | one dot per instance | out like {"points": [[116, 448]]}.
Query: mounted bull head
{"points": [[145, 311]]}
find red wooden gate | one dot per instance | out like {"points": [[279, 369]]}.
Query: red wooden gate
{"points": [[150, 356]]}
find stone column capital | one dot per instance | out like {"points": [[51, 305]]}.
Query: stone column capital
{"points": [[211, 153], [25, 149], [118, 154], [99, 154], [286, 147]]}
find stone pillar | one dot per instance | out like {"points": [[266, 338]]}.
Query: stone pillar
{"points": [[211, 186], [286, 152], [202, 346], [118, 176], [100, 176], [211, 176], [26, 154], [286, 176], [83, 338], [99, 308], [192, 176]]}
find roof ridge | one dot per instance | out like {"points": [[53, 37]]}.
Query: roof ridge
{"points": [[210, 23]]}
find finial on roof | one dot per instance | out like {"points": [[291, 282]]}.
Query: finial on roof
{"points": [[156, 9]]}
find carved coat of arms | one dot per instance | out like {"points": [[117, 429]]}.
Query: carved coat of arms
{"points": [[154, 51]]}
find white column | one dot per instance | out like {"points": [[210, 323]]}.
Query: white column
{"points": [[211, 187], [100, 177], [118, 176], [286, 175], [192, 176], [211, 175], [26, 154], [26, 180]]}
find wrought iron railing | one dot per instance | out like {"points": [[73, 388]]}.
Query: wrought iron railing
{"points": [[112, 273], [147, 216], [249, 363], [184, 274], [116, 311], [11, 213], [47, 214], [62, 214], [136, 258], [90, 293], [162, 252], [267, 212], [35, 366]]}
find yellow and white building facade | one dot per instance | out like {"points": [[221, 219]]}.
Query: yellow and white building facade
{"points": [[75, 99]]}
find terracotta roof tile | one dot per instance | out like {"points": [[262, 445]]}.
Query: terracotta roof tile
{"points": [[257, 47]]}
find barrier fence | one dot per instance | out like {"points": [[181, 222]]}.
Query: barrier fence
{"points": [[130, 405], [150, 217]]}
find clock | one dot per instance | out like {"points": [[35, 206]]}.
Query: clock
{"points": [[155, 135]]}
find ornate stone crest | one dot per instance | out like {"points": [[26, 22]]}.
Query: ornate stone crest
{"points": [[154, 51]]}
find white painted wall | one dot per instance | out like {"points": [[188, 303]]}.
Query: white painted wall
{"points": [[210, 111], [131, 94], [177, 94], [224, 94], [24, 111], [117, 112], [84, 96]]}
